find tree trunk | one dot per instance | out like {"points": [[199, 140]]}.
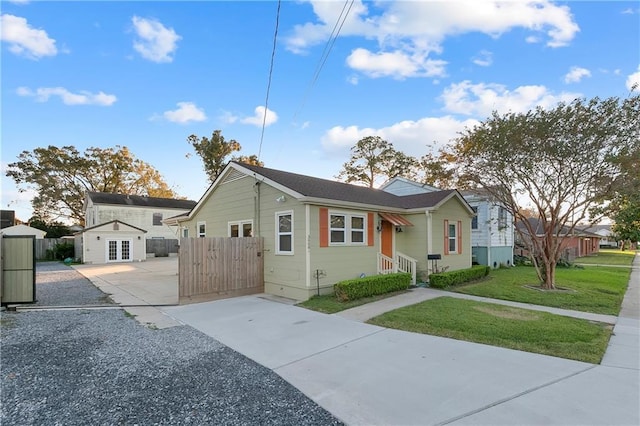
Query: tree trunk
{"points": [[549, 276]]}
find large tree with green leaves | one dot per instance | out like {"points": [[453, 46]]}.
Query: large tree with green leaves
{"points": [[215, 153], [560, 162], [374, 159], [61, 176]]}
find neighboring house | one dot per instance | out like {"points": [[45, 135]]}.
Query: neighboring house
{"points": [[7, 218], [109, 242], [331, 230], [23, 230], [607, 239], [576, 243], [142, 212], [492, 232]]}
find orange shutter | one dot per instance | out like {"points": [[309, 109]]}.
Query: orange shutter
{"points": [[324, 227], [446, 237], [370, 229], [459, 229]]}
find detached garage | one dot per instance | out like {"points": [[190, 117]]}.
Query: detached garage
{"points": [[111, 242]]}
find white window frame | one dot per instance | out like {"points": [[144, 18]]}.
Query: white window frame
{"points": [[240, 224], [201, 234], [279, 234], [474, 218], [185, 232], [119, 249], [348, 229], [502, 217], [153, 219], [453, 237]]}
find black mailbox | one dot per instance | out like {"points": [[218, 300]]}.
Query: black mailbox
{"points": [[434, 257]]}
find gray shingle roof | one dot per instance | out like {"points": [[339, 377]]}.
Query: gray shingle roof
{"points": [[140, 201], [331, 190]]}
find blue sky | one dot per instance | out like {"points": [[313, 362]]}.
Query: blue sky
{"points": [[148, 74]]}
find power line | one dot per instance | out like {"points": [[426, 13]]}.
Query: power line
{"points": [[326, 51], [266, 101]]}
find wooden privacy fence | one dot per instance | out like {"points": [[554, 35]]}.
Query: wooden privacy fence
{"points": [[216, 268], [161, 247], [44, 244]]}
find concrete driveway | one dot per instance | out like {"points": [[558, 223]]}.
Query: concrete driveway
{"points": [[139, 287]]}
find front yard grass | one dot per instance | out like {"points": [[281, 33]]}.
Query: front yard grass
{"points": [[596, 289], [329, 304], [503, 326], [609, 257]]}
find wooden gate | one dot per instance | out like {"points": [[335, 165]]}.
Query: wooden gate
{"points": [[18, 283], [217, 268]]}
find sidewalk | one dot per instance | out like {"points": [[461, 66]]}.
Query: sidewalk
{"points": [[364, 313]]}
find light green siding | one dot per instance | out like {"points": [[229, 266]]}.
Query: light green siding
{"points": [[340, 262], [453, 211], [241, 200]]}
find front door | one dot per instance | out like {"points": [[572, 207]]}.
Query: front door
{"points": [[119, 250], [386, 243]]}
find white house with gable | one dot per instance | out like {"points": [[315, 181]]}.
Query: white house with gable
{"points": [[142, 212]]}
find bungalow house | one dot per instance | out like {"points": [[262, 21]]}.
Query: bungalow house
{"points": [[492, 229], [575, 243], [607, 239], [322, 231]]}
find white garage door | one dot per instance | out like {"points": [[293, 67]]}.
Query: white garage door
{"points": [[119, 250]]}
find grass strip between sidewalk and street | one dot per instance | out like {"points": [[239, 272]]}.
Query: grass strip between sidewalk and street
{"points": [[596, 289], [504, 326]]}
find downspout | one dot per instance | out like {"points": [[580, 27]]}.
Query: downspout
{"points": [[307, 229], [491, 208], [429, 232], [257, 207]]}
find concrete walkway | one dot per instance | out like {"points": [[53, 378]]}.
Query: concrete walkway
{"points": [[366, 374]]}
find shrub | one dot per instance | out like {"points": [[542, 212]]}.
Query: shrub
{"points": [[446, 279], [60, 251], [371, 286]]}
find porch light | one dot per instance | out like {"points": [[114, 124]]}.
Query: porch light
{"points": [[98, 237]]}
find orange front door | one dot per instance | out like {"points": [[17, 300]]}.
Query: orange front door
{"points": [[387, 239]]}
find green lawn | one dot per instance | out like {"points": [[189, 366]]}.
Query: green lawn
{"points": [[596, 289], [504, 326], [328, 304], [609, 257]]}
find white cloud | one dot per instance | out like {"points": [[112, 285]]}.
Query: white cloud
{"points": [[185, 113], [42, 94], [634, 80], [409, 136], [576, 74], [481, 99], [484, 58], [398, 64], [155, 42], [25, 40], [259, 117], [409, 33]]}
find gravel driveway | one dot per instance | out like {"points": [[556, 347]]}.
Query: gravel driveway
{"points": [[101, 367]]}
